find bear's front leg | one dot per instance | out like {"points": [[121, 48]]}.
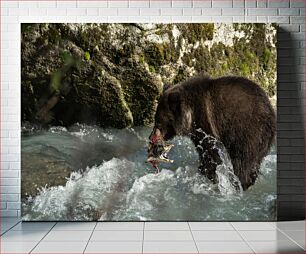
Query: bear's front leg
{"points": [[207, 148]]}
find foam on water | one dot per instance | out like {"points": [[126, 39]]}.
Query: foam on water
{"points": [[125, 188], [86, 196]]}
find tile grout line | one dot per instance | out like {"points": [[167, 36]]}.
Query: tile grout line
{"points": [[290, 238], [247, 243], [193, 238], [143, 232], [273, 224], [90, 237], [10, 228], [42, 238]]}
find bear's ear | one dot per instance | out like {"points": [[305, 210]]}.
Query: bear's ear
{"points": [[174, 102], [166, 87]]}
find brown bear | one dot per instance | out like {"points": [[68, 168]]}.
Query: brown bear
{"points": [[233, 110]]}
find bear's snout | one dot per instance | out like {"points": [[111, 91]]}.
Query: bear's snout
{"points": [[155, 135]]}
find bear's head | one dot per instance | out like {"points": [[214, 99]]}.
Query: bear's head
{"points": [[173, 116]]}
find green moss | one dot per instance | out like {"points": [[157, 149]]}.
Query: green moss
{"points": [[171, 54], [152, 69], [56, 81], [128, 49], [160, 32], [27, 27], [201, 55], [65, 55], [158, 54], [224, 66], [140, 92], [153, 55], [181, 76], [196, 32], [252, 57], [266, 58], [244, 69], [87, 56], [141, 59], [123, 52]]}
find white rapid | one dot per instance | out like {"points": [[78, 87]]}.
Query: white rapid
{"points": [[112, 182]]}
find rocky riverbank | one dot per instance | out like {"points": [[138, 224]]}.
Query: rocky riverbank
{"points": [[112, 74]]}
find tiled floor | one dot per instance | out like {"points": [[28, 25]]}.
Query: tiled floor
{"points": [[152, 237]]}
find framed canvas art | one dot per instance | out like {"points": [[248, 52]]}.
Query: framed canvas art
{"points": [[148, 122]]}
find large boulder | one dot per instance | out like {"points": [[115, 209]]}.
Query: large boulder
{"points": [[112, 74]]}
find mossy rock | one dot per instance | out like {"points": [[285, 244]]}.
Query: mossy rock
{"points": [[196, 32], [112, 74]]}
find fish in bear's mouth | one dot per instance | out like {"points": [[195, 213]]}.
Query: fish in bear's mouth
{"points": [[158, 152]]}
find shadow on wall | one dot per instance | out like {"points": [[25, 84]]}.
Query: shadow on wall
{"points": [[290, 135]]}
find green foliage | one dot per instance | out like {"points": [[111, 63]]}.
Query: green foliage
{"points": [[56, 81], [87, 56]]}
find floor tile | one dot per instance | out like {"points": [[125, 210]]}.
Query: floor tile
{"points": [[22, 236], [273, 224], [114, 247], [297, 236], [291, 225], [9, 224], [166, 226], [17, 247], [276, 247], [33, 226], [167, 236], [60, 247], [105, 236], [3, 230], [119, 226], [9, 220], [169, 247], [216, 236], [4, 226], [69, 236], [223, 247], [301, 243], [221, 226], [67, 226], [253, 226], [273, 235]]}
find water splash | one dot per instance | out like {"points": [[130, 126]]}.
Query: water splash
{"points": [[228, 182], [125, 188], [86, 196]]}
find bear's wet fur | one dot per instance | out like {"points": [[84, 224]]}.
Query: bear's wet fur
{"points": [[234, 110]]}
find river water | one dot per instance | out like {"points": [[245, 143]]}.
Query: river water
{"points": [[110, 180]]}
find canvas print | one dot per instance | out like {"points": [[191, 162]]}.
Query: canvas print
{"points": [[148, 122]]}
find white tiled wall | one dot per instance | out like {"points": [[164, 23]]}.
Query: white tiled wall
{"points": [[290, 14]]}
